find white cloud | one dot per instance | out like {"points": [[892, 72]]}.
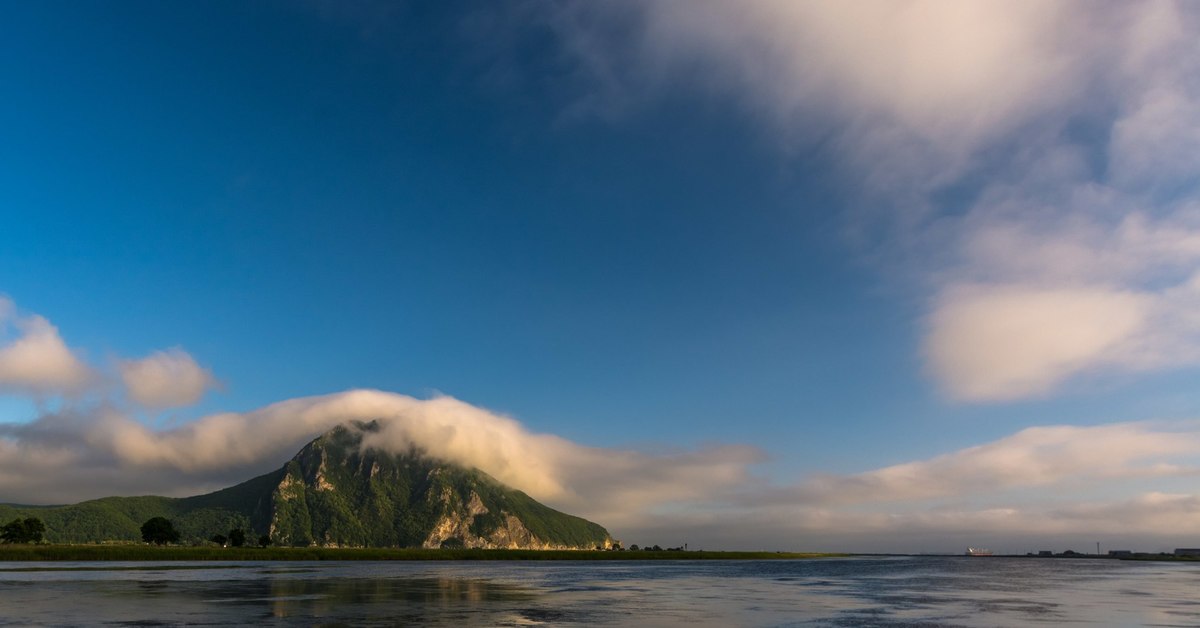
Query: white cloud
{"points": [[610, 484], [1101, 287], [992, 342], [165, 379], [37, 360], [34, 360]]}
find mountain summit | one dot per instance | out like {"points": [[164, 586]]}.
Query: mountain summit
{"points": [[337, 493], [334, 492]]}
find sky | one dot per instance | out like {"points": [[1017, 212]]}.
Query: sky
{"points": [[881, 276]]}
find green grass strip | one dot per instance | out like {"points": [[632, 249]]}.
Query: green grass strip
{"points": [[50, 552]]}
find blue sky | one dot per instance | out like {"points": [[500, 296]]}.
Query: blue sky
{"points": [[844, 241]]}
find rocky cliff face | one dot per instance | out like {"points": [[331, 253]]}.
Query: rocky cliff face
{"points": [[334, 493]]}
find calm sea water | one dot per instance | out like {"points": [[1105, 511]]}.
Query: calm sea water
{"points": [[919, 591]]}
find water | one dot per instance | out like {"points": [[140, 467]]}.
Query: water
{"points": [[919, 591]]}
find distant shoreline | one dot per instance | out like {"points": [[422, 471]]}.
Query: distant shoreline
{"points": [[1136, 556], [54, 552]]}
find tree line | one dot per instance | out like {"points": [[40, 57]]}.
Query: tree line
{"points": [[160, 531], [156, 530]]}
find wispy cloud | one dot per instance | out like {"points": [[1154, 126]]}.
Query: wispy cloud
{"points": [[1030, 162], [1044, 486], [1032, 458]]}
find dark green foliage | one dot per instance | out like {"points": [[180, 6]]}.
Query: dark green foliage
{"points": [[264, 540], [197, 519], [247, 505], [159, 531], [545, 522], [486, 523], [202, 523], [219, 539], [333, 493], [120, 518], [28, 530], [237, 537]]}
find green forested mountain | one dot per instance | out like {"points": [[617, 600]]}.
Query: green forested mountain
{"points": [[334, 493]]}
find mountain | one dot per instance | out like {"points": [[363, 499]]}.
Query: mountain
{"points": [[335, 493]]}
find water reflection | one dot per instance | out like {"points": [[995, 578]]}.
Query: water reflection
{"points": [[420, 598], [302, 597], [845, 592]]}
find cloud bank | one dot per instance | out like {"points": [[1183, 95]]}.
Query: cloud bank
{"points": [[1045, 487], [1035, 484], [62, 458], [102, 443], [1029, 163], [1040, 483]]}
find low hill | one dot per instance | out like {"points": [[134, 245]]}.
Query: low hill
{"points": [[335, 493]]}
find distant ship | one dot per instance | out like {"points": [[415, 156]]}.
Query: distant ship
{"points": [[977, 551]]}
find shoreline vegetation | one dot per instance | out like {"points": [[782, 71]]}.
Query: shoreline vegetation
{"points": [[106, 552], [137, 552]]}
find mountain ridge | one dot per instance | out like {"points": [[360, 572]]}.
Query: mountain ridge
{"points": [[336, 493]]}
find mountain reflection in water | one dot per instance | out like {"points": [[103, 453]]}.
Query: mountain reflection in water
{"points": [[421, 598]]}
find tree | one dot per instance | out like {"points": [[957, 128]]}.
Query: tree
{"points": [[634, 547], [34, 530], [159, 531], [219, 539], [237, 537], [264, 540], [29, 530]]}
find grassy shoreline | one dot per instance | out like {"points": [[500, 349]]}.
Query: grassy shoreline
{"points": [[52, 552]]}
